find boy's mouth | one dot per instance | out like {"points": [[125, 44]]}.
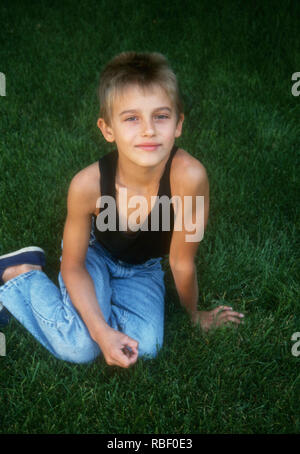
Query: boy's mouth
{"points": [[148, 146]]}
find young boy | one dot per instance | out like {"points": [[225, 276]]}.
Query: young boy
{"points": [[111, 296]]}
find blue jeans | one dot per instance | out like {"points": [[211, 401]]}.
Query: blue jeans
{"points": [[131, 298]]}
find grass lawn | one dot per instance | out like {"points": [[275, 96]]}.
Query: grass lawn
{"points": [[234, 61]]}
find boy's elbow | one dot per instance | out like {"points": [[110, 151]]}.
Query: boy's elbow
{"points": [[184, 267], [68, 268]]}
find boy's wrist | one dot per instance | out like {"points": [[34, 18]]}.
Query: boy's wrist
{"points": [[99, 331]]}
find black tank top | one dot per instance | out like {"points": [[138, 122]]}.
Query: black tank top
{"points": [[137, 247]]}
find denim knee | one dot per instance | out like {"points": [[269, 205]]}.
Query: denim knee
{"points": [[150, 342], [84, 352]]}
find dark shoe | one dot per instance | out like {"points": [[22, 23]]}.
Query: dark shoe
{"points": [[4, 315], [32, 255]]}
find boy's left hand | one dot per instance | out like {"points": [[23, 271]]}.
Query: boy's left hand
{"points": [[216, 317]]}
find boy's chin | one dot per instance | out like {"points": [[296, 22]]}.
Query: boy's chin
{"points": [[149, 158]]}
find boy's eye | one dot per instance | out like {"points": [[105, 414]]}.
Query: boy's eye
{"points": [[130, 118], [162, 116], [158, 117]]}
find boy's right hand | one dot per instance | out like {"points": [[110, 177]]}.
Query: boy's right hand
{"points": [[118, 349]]}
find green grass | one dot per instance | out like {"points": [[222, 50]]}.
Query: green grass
{"points": [[234, 60]]}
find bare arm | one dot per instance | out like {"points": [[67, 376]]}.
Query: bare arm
{"points": [[183, 252], [80, 286], [74, 273]]}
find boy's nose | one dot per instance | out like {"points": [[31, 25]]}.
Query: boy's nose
{"points": [[148, 128]]}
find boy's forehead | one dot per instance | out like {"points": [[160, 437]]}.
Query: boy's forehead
{"points": [[134, 96]]}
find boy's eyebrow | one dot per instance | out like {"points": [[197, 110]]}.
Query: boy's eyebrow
{"points": [[136, 110]]}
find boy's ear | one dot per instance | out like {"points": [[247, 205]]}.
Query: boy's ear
{"points": [[106, 130], [179, 125]]}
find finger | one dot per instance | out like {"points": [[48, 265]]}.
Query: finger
{"points": [[131, 356], [231, 314], [116, 361], [228, 319], [221, 308], [129, 352], [121, 359], [126, 351], [131, 345], [132, 349]]}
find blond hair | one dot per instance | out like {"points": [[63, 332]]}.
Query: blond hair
{"points": [[142, 69]]}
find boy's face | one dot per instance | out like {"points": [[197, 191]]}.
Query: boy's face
{"points": [[143, 125]]}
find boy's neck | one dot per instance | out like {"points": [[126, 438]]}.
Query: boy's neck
{"points": [[137, 178]]}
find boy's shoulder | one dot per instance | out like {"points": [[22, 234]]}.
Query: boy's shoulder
{"points": [[87, 178], [85, 185], [186, 173]]}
